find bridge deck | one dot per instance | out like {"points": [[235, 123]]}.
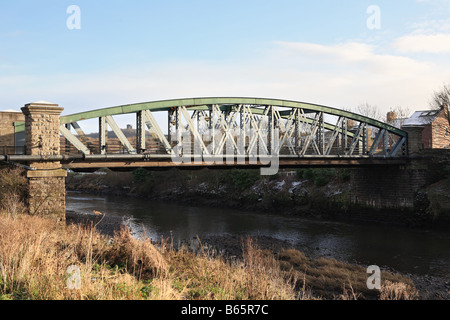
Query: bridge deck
{"points": [[282, 162], [131, 162]]}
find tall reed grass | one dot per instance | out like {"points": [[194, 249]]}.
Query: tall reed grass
{"points": [[35, 254]]}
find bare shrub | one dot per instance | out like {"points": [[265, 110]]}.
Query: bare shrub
{"points": [[13, 190], [12, 205], [397, 291], [141, 255]]}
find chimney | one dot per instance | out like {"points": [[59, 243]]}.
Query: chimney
{"points": [[391, 116]]}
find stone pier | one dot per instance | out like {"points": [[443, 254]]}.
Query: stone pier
{"points": [[387, 187], [46, 180]]}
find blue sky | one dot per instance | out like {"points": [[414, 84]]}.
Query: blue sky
{"points": [[135, 51]]}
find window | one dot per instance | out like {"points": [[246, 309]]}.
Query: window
{"points": [[19, 143], [429, 113]]}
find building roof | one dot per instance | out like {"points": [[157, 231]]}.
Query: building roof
{"points": [[42, 102], [10, 110], [422, 118]]}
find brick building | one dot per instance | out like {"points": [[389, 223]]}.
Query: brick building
{"points": [[428, 129], [10, 141]]}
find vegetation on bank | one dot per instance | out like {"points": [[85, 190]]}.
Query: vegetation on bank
{"points": [[36, 254], [243, 188]]}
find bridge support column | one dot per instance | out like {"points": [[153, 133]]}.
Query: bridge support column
{"points": [[388, 187], [46, 179]]}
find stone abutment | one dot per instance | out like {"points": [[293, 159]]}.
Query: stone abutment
{"points": [[399, 187]]}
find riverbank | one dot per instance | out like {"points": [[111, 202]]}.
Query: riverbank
{"points": [[428, 287], [42, 259], [286, 194], [103, 223], [35, 253], [231, 247]]}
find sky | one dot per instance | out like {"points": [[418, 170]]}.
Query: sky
{"points": [[336, 53]]}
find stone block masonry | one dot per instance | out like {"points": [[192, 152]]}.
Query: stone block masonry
{"points": [[390, 187], [46, 180], [47, 196], [7, 129]]}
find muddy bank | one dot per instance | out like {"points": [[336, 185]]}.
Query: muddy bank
{"points": [[104, 224], [429, 287]]}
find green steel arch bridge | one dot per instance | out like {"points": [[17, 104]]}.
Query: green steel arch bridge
{"points": [[228, 132]]}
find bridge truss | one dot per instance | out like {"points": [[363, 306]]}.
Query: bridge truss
{"points": [[233, 128]]}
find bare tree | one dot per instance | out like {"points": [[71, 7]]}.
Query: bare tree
{"points": [[441, 97], [370, 111], [441, 101], [401, 114]]}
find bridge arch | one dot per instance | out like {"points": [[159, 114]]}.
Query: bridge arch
{"points": [[301, 129]]}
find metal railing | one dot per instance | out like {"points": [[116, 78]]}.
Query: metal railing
{"points": [[12, 150]]}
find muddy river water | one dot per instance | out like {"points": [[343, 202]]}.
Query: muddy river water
{"points": [[403, 249]]}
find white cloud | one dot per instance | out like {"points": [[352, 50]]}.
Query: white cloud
{"points": [[354, 57], [416, 43], [431, 26], [350, 73]]}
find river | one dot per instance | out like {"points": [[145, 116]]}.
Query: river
{"points": [[402, 249]]}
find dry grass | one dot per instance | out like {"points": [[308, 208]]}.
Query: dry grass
{"points": [[398, 291], [12, 206], [206, 276], [35, 253], [13, 189], [332, 279]]}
